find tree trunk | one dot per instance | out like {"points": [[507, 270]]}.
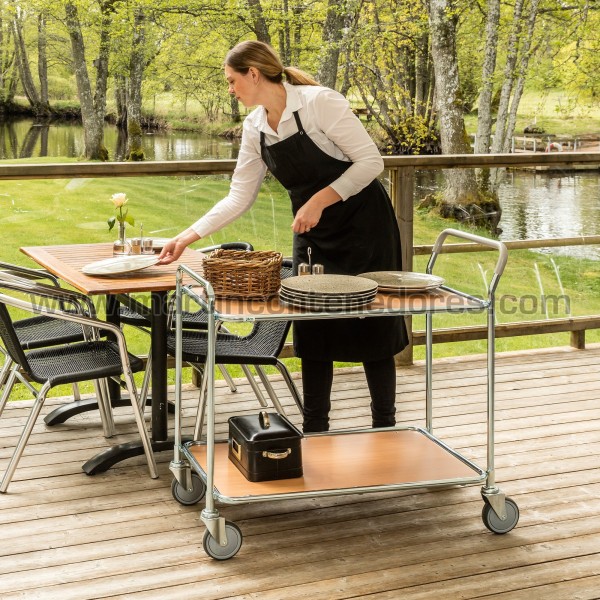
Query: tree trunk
{"points": [[235, 109], [260, 27], [121, 101], [461, 199], [508, 79], [136, 72], [332, 36], [23, 64], [484, 113], [526, 53], [284, 35], [93, 105], [43, 62]]}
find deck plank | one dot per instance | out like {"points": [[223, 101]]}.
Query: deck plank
{"points": [[121, 535]]}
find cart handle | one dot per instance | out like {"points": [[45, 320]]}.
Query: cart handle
{"points": [[502, 250]]}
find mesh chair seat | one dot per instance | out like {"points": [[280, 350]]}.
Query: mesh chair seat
{"points": [[261, 347], [37, 332], [191, 320], [79, 362]]}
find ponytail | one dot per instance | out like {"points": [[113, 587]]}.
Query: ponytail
{"points": [[295, 76], [263, 57]]}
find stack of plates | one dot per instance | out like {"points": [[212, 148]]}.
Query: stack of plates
{"points": [[327, 292], [404, 281]]}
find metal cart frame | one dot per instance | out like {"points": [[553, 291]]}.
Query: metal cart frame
{"points": [[222, 538]]}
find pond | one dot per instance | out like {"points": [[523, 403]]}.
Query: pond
{"points": [[534, 204]]}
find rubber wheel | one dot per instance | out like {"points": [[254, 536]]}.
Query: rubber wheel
{"points": [[493, 522], [185, 497], [234, 543]]}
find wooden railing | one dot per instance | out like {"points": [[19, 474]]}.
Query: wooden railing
{"points": [[402, 172]]}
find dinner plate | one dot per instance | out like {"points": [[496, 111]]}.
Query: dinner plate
{"points": [[119, 264], [328, 285], [324, 304], [318, 306], [394, 281]]}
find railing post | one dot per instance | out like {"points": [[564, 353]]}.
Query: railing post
{"points": [[578, 339], [402, 185]]}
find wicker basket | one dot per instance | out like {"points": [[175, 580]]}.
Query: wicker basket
{"points": [[243, 273]]}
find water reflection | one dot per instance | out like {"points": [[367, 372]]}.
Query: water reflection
{"points": [[23, 139], [541, 205], [534, 204]]}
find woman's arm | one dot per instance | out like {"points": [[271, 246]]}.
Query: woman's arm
{"points": [[243, 190]]}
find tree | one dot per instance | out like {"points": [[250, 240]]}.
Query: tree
{"points": [[332, 38], [137, 64], [37, 100], [93, 103], [461, 197], [390, 70], [8, 75]]}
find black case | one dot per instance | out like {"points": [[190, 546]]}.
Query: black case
{"points": [[265, 447]]}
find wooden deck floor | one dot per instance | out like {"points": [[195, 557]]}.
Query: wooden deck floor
{"points": [[121, 535]]}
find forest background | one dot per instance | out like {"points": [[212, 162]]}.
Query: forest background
{"points": [[417, 68]]}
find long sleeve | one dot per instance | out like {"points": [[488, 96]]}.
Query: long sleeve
{"points": [[245, 185]]}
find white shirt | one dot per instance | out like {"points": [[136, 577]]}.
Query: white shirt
{"points": [[329, 122]]}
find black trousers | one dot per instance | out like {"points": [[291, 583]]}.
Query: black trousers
{"points": [[317, 379]]}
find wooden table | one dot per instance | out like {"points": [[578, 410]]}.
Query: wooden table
{"points": [[66, 262]]}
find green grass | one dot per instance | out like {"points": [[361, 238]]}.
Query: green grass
{"points": [[557, 112], [38, 212]]}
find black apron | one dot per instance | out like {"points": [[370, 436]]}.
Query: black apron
{"points": [[353, 236]]}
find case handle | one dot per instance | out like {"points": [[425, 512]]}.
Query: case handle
{"points": [[277, 455], [263, 419]]}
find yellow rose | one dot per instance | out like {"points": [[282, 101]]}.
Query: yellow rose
{"points": [[119, 200]]}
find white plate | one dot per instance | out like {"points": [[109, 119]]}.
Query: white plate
{"points": [[119, 264], [393, 281]]}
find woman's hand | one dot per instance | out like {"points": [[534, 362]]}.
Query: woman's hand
{"points": [[174, 248], [309, 215]]}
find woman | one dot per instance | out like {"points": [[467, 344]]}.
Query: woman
{"points": [[310, 140]]}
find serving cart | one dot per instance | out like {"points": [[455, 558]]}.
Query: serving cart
{"points": [[342, 461]]}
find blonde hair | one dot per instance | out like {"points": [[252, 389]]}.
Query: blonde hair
{"points": [[263, 57]]}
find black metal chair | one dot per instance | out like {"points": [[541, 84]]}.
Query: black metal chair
{"points": [[93, 359], [261, 347], [41, 331]]}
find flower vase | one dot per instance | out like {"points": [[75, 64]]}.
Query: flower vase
{"points": [[121, 247]]}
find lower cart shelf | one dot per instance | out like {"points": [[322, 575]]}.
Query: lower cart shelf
{"points": [[345, 463]]}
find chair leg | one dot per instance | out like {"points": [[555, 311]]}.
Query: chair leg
{"points": [[199, 425], [267, 385], [291, 385], [255, 388], [146, 381], [5, 368], [141, 425], [8, 386], [76, 392], [227, 378], [14, 461]]}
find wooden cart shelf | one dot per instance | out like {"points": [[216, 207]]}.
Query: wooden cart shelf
{"points": [[345, 461]]}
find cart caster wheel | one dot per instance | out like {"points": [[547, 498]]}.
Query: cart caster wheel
{"points": [[234, 543], [185, 497], [493, 522]]}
